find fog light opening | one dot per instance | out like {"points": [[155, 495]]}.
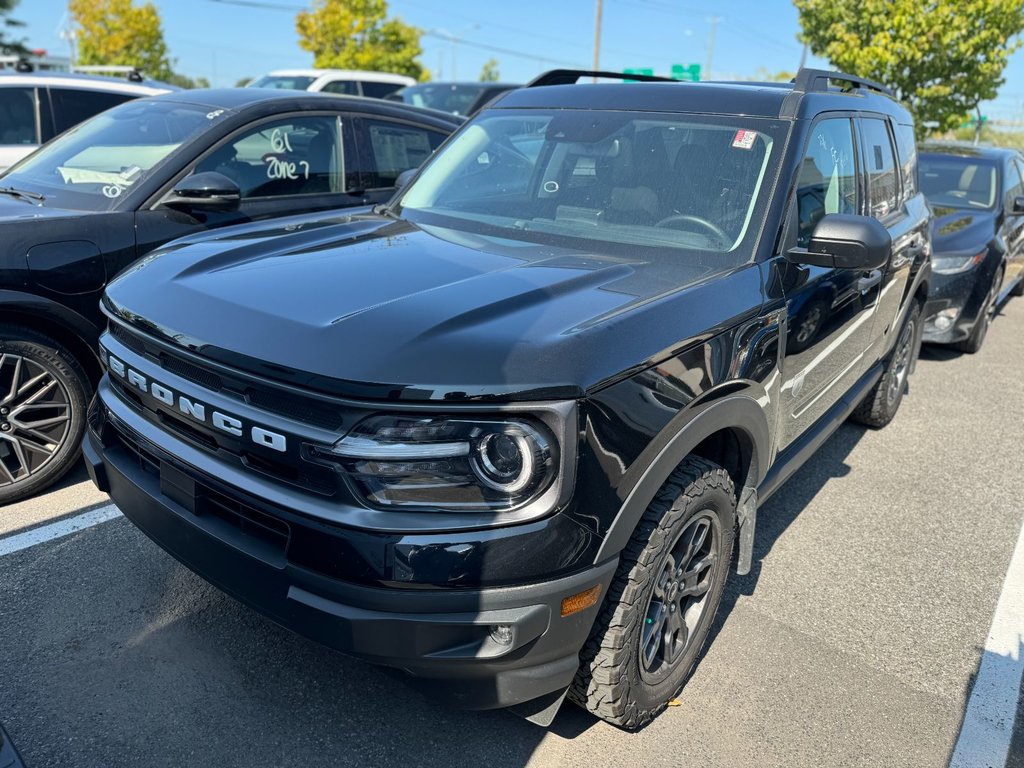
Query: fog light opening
{"points": [[580, 601], [944, 319], [502, 634]]}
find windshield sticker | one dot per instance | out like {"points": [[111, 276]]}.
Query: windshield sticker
{"points": [[744, 139], [215, 114]]}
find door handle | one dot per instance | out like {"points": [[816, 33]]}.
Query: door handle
{"points": [[869, 281]]}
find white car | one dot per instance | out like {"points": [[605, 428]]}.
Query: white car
{"points": [[350, 82], [36, 106]]}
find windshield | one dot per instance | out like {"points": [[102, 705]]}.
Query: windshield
{"points": [[456, 99], [294, 82], [91, 166], [957, 182], [577, 178]]}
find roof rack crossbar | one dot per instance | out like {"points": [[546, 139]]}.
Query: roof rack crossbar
{"points": [[808, 80], [571, 76]]}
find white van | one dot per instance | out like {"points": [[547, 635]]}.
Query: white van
{"points": [[350, 82]]}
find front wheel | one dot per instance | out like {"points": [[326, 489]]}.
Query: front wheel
{"points": [[880, 405], [972, 344], [43, 398], [663, 599]]}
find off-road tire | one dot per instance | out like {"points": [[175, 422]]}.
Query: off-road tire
{"points": [[610, 682], [39, 354], [879, 406]]}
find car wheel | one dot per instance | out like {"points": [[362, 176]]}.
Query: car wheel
{"points": [[44, 393], [1018, 289], [662, 600], [972, 343], [880, 405]]}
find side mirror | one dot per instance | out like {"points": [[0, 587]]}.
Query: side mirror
{"points": [[1018, 204], [845, 241], [404, 178], [204, 190]]}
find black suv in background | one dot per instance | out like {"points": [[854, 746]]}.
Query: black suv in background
{"points": [[506, 432], [977, 197]]}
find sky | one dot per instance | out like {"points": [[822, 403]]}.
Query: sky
{"points": [[225, 40]]}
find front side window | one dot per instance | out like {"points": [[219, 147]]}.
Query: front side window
{"points": [[586, 177], [828, 178], [92, 166], [393, 148], [18, 116], [880, 166], [378, 90], [344, 87], [294, 156], [951, 181], [1013, 185]]}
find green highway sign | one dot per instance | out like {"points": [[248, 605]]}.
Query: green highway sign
{"points": [[690, 72]]}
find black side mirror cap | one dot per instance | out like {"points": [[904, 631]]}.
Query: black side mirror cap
{"points": [[845, 241], [1018, 204], [404, 178], [208, 189]]}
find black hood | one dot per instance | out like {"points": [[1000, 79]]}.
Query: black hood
{"points": [[390, 309], [961, 229]]}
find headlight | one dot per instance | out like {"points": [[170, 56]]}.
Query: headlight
{"points": [[447, 463], [954, 263]]}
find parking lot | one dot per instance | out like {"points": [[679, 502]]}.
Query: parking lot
{"points": [[854, 640]]}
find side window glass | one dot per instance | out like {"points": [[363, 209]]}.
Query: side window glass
{"points": [[1012, 185], [18, 116], [827, 182], [906, 147], [394, 148], [345, 87], [71, 107], [379, 90], [297, 156], [880, 166]]}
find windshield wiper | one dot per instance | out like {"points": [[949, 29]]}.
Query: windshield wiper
{"points": [[22, 193]]}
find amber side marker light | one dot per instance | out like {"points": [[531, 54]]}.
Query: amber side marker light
{"points": [[580, 601]]}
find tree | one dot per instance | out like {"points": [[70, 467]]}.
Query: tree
{"points": [[243, 81], [184, 81], [7, 45], [489, 73], [941, 58], [356, 34], [117, 32]]}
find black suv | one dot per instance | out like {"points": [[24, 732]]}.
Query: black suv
{"points": [[503, 433]]}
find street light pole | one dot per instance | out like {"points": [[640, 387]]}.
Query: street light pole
{"points": [[597, 38], [713, 21]]}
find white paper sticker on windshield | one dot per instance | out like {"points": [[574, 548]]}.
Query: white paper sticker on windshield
{"points": [[744, 139]]}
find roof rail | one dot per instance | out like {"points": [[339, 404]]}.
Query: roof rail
{"points": [[570, 76], [808, 80], [130, 73]]}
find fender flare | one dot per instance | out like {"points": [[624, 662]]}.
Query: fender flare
{"points": [[51, 311], [739, 411]]}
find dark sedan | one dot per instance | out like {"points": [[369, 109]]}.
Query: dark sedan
{"points": [[92, 201], [977, 196], [456, 98]]}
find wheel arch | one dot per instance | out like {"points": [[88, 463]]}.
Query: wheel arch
{"points": [[76, 333], [731, 431]]}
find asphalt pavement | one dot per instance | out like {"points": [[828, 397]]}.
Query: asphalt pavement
{"points": [[853, 642]]}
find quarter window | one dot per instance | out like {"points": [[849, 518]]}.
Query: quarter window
{"points": [[394, 148], [881, 168], [828, 181], [298, 156], [18, 116]]}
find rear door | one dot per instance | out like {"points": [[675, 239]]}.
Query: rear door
{"points": [[829, 310], [1013, 223]]}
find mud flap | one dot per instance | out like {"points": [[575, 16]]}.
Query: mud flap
{"points": [[542, 710], [746, 513]]}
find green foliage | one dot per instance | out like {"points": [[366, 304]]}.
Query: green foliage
{"points": [[117, 32], [7, 44], [489, 73], [243, 81], [941, 58], [990, 135], [356, 34], [184, 81]]}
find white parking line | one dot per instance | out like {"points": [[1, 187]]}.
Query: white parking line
{"points": [[988, 723], [56, 530]]}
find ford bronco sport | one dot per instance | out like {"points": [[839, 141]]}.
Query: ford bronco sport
{"points": [[505, 432]]}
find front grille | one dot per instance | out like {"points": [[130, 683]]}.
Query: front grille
{"points": [[193, 373]]}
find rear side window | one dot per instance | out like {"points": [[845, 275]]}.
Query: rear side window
{"points": [[880, 165], [1013, 185], [344, 87], [828, 180], [379, 90], [71, 106], [394, 148], [18, 116], [906, 147]]}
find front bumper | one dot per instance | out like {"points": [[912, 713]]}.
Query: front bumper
{"points": [[442, 637], [963, 294]]}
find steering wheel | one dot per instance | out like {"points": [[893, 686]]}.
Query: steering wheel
{"points": [[685, 218]]}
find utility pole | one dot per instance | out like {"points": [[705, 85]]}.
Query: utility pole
{"points": [[803, 57], [597, 38], [713, 21]]}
